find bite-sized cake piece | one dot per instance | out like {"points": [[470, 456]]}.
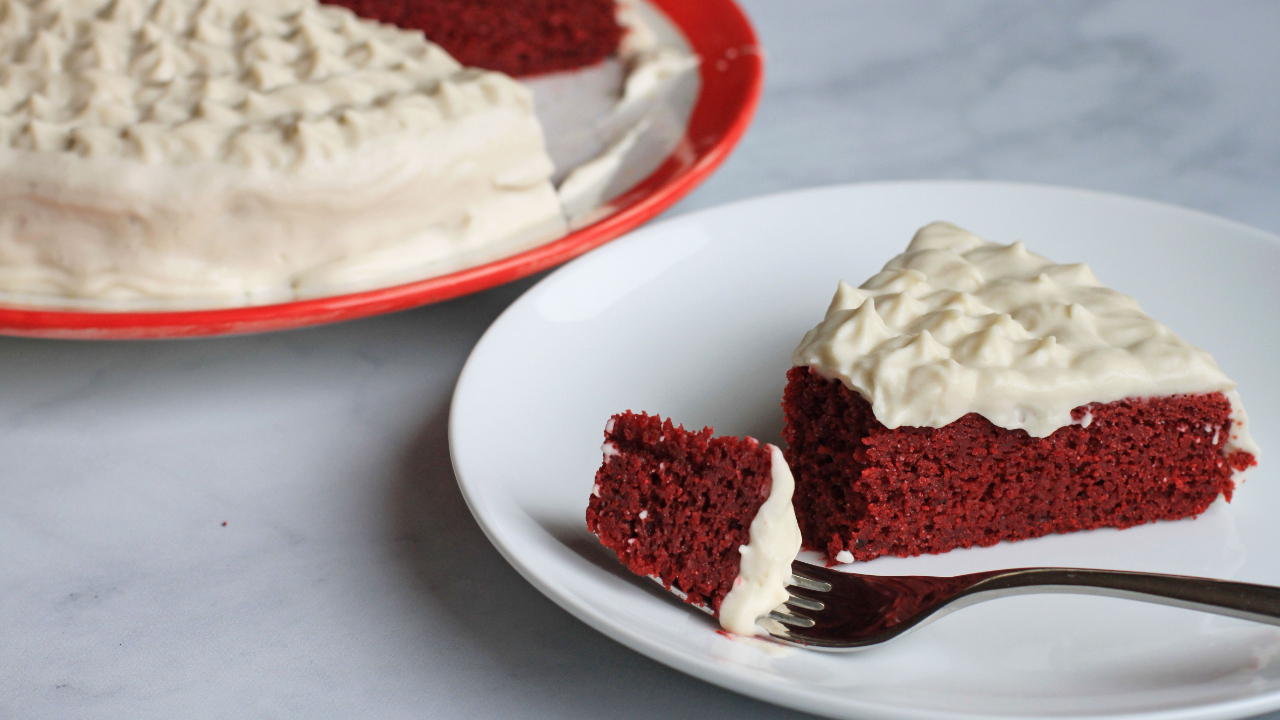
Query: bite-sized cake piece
{"points": [[241, 151], [710, 518], [972, 392], [518, 37]]}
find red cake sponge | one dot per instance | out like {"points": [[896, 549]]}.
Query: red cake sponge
{"points": [[867, 490], [517, 37]]}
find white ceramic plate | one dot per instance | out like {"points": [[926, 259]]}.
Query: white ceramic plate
{"points": [[696, 318]]}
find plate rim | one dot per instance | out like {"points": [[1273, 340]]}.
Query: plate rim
{"points": [[732, 75], [777, 691]]}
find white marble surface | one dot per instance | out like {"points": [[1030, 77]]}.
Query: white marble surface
{"points": [[349, 579]]}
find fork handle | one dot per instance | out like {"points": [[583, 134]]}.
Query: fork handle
{"points": [[1246, 601]]}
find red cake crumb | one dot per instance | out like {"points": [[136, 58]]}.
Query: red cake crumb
{"points": [[677, 505], [872, 491], [517, 37]]}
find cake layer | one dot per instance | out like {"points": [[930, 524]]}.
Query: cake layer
{"points": [[710, 518], [518, 37], [236, 151], [958, 325], [864, 490]]}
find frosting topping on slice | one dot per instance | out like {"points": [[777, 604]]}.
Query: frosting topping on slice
{"points": [[957, 324]]}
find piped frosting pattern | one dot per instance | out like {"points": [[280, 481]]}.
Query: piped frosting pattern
{"points": [[173, 153], [271, 83], [957, 324]]}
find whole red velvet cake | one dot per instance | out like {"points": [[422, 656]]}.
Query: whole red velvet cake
{"points": [[517, 37], [972, 392], [708, 517]]}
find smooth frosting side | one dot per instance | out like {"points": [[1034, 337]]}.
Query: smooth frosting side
{"points": [[765, 572], [650, 63], [583, 189], [237, 151], [957, 324], [651, 66]]}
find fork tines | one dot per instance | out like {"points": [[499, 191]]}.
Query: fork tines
{"points": [[809, 583], [796, 602]]}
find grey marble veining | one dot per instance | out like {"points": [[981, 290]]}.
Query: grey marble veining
{"points": [[1173, 101], [349, 580]]}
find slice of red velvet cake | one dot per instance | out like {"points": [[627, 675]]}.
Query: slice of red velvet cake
{"points": [[517, 37], [710, 518], [972, 392]]}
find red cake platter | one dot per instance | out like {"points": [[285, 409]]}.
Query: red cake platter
{"points": [[732, 73]]}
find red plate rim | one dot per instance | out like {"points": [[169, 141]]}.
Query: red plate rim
{"points": [[732, 75]]}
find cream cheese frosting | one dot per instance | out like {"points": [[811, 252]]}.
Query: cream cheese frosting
{"points": [[957, 324], [765, 572], [645, 119], [650, 62], [242, 150]]}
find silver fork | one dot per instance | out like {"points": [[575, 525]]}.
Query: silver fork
{"points": [[838, 611]]}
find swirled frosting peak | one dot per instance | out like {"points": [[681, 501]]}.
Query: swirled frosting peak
{"points": [[957, 324], [268, 83]]}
